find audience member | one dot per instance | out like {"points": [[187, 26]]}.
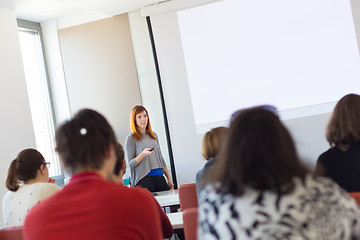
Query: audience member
{"points": [[259, 189], [119, 171], [28, 183], [341, 162], [210, 148], [146, 162], [90, 206], [120, 165]]}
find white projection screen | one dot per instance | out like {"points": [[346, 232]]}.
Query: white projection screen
{"points": [[300, 56]]}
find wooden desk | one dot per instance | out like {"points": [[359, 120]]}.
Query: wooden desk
{"points": [[176, 219], [168, 198]]}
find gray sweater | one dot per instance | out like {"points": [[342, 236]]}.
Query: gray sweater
{"points": [[133, 149], [200, 175]]}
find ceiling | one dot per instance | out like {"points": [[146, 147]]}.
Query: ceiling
{"points": [[46, 10]]}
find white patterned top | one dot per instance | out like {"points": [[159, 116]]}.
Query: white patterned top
{"points": [[16, 205], [317, 209]]}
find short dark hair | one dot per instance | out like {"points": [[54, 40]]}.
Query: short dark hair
{"points": [[84, 140], [259, 153], [344, 124], [119, 158], [23, 168]]}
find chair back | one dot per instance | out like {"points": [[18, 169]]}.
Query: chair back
{"points": [[190, 218], [356, 196], [13, 233], [187, 196]]}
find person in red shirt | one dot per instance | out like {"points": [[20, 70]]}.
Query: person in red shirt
{"points": [[90, 206], [119, 171]]}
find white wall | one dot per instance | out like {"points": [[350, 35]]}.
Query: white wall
{"points": [[355, 7], [309, 136], [185, 142], [308, 132], [16, 126], [56, 72], [100, 71], [148, 82]]}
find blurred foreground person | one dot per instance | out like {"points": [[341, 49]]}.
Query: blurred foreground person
{"points": [[341, 162], [258, 189], [90, 206], [28, 183]]}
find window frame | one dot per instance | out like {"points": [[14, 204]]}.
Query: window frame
{"points": [[37, 27]]}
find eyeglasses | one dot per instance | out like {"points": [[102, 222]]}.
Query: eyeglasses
{"points": [[47, 164]]}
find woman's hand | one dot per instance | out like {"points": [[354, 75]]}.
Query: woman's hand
{"points": [[147, 151], [171, 184]]}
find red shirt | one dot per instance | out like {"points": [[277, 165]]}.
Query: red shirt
{"points": [[89, 207]]}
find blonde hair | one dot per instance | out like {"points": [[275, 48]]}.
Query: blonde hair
{"points": [[212, 142], [134, 128]]}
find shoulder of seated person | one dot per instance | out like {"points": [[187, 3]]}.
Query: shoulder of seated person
{"points": [[49, 185], [140, 190]]}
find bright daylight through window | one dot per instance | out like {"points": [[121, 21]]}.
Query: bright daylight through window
{"points": [[39, 93]]}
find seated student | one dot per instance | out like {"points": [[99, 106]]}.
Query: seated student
{"points": [[120, 165], [259, 189], [210, 148], [341, 162], [90, 206], [31, 171], [119, 171]]}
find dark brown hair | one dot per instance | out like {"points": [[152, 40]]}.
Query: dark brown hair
{"points": [[119, 158], [134, 128], [83, 141], [212, 141], [344, 124], [259, 153], [23, 168]]}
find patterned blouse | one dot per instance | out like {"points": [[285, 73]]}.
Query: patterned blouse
{"points": [[317, 209], [16, 205]]}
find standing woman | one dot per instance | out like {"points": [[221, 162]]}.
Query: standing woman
{"points": [[146, 162], [28, 184], [341, 162]]}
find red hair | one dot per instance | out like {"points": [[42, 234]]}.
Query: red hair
{"points": [[134, 128]]}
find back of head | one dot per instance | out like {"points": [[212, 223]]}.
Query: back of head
{"points": [[24, 168], [212, 142], [83, 141], [259, 153], [119, 158], [344, 125]]}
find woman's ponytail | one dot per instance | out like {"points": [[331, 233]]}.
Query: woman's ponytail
{"points": [[12, 180]]}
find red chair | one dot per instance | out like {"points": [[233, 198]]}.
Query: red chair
{"points": [[13, 233], [190, 218], [187, 196], [356, 196]]}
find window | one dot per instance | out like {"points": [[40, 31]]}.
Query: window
{"points": [[39, 93]]}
